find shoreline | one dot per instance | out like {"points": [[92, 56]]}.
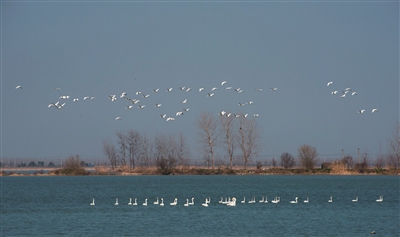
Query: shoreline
{"points": [[196, 170]]}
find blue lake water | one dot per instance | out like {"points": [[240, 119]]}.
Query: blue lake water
{"points": [[59, 206]]}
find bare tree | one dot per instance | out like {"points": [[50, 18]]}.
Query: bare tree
{"points": [[145, 151], [183, 153], [208, 134], [348, 162], [287, 160], [227, 129], [273, 162], [111, 152], [248, 138], [122, 142], [308, 156], [394, 148], [380, 159], [165, 151], [72, 162], [133, 143]]}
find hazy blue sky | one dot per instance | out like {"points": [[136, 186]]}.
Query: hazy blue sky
{"points": [[104, 48]]}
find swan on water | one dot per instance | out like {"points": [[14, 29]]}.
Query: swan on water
{"points": [[130, 201], [380, 199], [266, 199], [295, 200], [330, 199], [145, 202], [174, 202], [187, 203], [262, 200], [156, 202], [135, 203], [92, 203], [162, 202], [355, 200], [116, 202], [192, 202], [205, 204], [306, 201], [244, 200]]}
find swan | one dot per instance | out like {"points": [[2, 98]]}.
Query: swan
{"points": [[361, 111], [123, 94], [232, 203], [187, 203], [116, 202], [329, 83], [186, 110], [355, 200], [262, 200], [188, 89], [135, 203], [170, 119], [295, 200], [306, 201], [354, 93], [145, 202], [330, 199], [158, 105], [141, 106], [156, 90], [259, 89], [129, 106], [244, 200], [276, 200], [222, 83], [130, 201], [205, 204], [156, 202], [162, 202], [208, 200], [266, 200], [274, 88], [184, 102], [201, 89], [221, 201], [334, 92], [192, 202], [182, 88], [169, 89], [210, 94], [92, 203], [374, 110], [75, 100], [380, 199], [18, 87], [118, 118], [174, 202], [253, 200]]}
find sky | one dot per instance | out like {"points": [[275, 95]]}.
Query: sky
{"points": [[97, 49]]}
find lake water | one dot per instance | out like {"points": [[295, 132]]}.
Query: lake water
{"points": [[59, 206]]}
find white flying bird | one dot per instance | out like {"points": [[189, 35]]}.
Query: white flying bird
{"points": [[182, 88], [163, 116], [86, 98], [188, 89], [201, 89], [184, 102], [274, 88], [141, 106], [169, 89], [118, 118], [156, 90], [214, 88], [329, 83], [186, 110], [123, 94], [129, 106], [334, 92], [354, 93], [222, 83], [158, 105], [259, 90], [75, 100], [18, 87], [374, 110], [170, 119], [210, 94], [361, 111], [57, 89]]}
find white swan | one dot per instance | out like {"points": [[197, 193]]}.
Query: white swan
{"points": [[156, 202], [253, 200], [274, 88], [295, 200], [135, 203], [162, 202], [244, 200], [221, 201], [116, 202], [205, 204], [262, 200], [18, 87], [355, 200], [374, 110], [192, 202], [187, 203], [380, 199], [306, 201], [232, 203], [329, 83], [276, 200], [266, 200], [208, 200], [330, 199], [130, 201], [92, 203], [145, 202], [174, 202]]}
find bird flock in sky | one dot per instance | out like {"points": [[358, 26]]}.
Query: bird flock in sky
{"points": [[348, 91], [141, 97]]}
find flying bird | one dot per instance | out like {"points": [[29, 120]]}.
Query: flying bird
{"points": [[129, 106], [214, 88], [158, 105], [374, 110], [259, 90], [186, 110], [169, 89], [163, 116], [274, 88], [334, 92], [222, 83], [118, 118], [184, 102], [18, 87], [57, 89], [201, 89], [170, 119], [156, 90], [141, 106], [361, 111], [354, 93], [86, 98], [210, 94], [329, 83]]}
